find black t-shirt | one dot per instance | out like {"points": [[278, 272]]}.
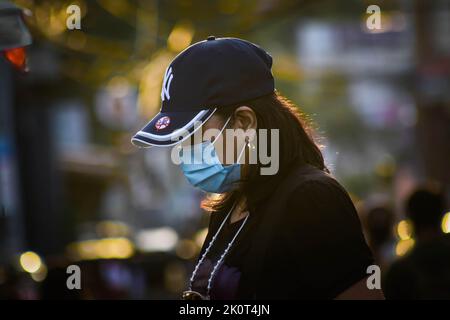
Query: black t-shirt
{"points": [[316, 249]]}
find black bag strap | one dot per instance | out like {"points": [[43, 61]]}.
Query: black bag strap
{"points": [[267, 221]]}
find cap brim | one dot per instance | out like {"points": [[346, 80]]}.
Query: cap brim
{"points": [[170, 128]]}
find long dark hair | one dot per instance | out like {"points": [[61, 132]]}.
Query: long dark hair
{"points": [[296, 146]]}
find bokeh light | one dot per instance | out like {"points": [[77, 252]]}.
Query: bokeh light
{"points": [[446, 223], [404, 246], [108, 248], [180, 37], [404, 230], [30, 261]]}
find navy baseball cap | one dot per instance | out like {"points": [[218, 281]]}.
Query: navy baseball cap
{"points": [[203, 78]]}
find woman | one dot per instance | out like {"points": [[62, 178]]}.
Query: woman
{"points": [[290, 234]]}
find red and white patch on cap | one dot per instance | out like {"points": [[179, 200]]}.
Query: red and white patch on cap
{"points": [[162, 123]]}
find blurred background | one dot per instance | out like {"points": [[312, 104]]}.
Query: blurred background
{"points": [[73, 190]]}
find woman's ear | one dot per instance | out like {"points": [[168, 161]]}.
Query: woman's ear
{"points": [[244, 118]]}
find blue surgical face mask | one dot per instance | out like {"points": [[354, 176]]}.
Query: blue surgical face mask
{"points": [[206, 172]]}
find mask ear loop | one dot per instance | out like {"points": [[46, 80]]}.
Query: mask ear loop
{"points": [[180, 148], [242, 151], [221, 130], [220, 133]]}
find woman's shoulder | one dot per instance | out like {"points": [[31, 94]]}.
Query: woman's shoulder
{"points": [[318, 192], [310, 180]]}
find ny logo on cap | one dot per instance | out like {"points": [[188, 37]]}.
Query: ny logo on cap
{"points": [[166, 84]]}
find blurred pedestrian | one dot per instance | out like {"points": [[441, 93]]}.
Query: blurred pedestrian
{"points": [[379, 226], [424, 273]]}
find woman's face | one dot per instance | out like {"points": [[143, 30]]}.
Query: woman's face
{"points": [[243, 118]]}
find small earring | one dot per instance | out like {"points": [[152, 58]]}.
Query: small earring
{"points": [[250, 145]]}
